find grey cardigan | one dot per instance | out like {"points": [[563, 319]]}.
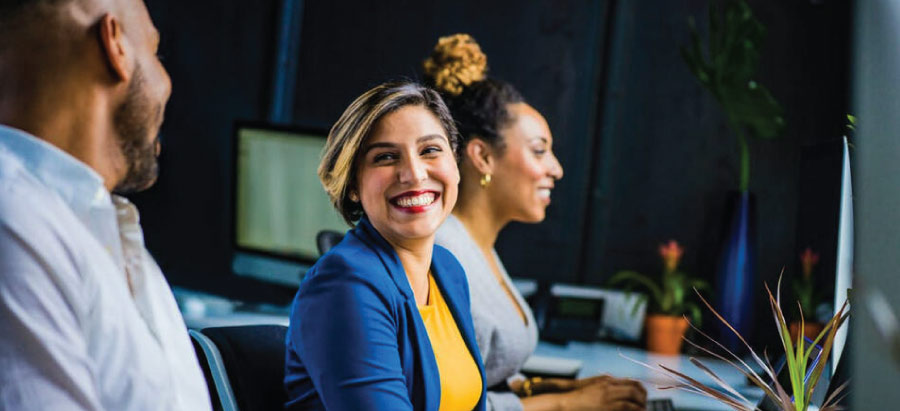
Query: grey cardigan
{"points": [[504, 340]]}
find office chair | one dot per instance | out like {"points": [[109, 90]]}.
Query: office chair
{"points": [[246, 365], [220, 395], [326, 239]]}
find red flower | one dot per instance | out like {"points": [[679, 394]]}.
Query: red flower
{"points": [[671, 254], [809, 259]]}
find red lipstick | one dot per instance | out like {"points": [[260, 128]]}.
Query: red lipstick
{"points": [[414, 208]]}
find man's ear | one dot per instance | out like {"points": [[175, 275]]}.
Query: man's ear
{"points": [[112, 44], [481, 154]]}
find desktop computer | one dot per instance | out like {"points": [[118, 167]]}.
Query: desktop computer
{"points": [[279, 205]]}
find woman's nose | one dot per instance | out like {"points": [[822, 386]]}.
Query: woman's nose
{"points": [[412, 171], [556, 170]]}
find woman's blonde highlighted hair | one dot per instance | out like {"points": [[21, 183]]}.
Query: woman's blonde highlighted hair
{"points": [[338, 169]]}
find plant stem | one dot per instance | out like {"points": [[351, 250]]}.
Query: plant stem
{"points": [[744, 155], [745, 161]]}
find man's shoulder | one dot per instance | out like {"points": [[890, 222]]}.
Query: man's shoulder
{"points": [[24, 200], [34, 221]]}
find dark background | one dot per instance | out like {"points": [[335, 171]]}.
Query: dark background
{"points": [[646, 151]]}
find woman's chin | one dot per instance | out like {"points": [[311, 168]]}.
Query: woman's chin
{"points": [[534, 216], [418, 229]]}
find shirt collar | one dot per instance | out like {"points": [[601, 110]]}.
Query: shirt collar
{"points": [[76, 183]]}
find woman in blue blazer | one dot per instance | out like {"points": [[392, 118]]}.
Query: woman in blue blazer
{"points": [[382, 321]]}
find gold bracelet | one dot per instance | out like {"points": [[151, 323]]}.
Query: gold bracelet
{"points": [[528, 385]]}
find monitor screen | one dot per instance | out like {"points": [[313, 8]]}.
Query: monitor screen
{"points": [[280, 205]]}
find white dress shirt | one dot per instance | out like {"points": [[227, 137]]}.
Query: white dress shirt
{"points": [[74, 335]]}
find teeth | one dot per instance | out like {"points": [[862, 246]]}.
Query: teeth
{"points": [[415, 201], [544, 192]]}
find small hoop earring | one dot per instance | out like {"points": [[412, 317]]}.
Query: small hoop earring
{"points": [[485, 180]]}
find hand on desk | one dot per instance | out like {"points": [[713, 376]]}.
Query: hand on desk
{"points": [[607, 394], [601, 393]]}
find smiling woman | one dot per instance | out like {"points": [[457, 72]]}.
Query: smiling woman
{"points": [[382, 321], [508, 171]]}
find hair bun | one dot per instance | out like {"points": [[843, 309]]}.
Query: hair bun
{"points": [[456, 62]]}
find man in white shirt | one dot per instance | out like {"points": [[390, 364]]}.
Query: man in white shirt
{"points": [[87, 321]]}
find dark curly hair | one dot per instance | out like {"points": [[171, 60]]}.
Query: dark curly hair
{"points": [[458, 70], [481, 110]]}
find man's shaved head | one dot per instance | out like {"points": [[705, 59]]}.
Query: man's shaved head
{"points": [[89, 65]]}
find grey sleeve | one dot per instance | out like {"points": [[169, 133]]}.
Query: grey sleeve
{"points": [[503, 401]]}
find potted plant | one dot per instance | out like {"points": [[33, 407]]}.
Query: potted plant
{"points": [[726, 65], [668, 303], [805, 291], [796, 396]]}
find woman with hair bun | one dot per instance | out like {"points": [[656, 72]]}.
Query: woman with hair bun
{"points": [[508, 171]]}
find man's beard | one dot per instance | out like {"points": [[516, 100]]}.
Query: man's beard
{"points": [[133, 121]]}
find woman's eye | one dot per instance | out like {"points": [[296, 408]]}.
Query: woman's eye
{"points": [[431, 150], [382, 157], [540, 152]]}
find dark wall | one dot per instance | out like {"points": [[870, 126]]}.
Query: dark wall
{"points": [[668, 160], [646, 151], [551, 51], [219, 55], [220, 58]]}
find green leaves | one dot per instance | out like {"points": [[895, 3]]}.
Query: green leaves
{"points": [[729, 72], [797, 359], [669, 296]]}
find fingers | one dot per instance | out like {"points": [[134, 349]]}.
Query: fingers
{"points": [[626, 393], [625, 406], [629, 382]]}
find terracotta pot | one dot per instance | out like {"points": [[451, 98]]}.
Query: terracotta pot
{"points": [[664, 333], [811, 330]]}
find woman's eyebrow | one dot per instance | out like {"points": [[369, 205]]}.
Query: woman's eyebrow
{"points": [[429, 137], [385, 144], [378, 145]]}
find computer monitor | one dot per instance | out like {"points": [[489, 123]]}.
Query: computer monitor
{"points": [[844, 265], [825, 224], [279, 205]]}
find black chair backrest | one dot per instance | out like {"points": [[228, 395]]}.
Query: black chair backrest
{"points": [[326, 239], [254, 359]]}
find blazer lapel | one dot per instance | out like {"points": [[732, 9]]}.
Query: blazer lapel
{"points": [[386, 254], [429, 377]]}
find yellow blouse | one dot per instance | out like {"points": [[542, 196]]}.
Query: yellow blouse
{"points": [[460, 379]]}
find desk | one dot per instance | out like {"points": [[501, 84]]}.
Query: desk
{"points": [[604, 358]]}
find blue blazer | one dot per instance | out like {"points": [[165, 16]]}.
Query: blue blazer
{"points": [[356, 339]]}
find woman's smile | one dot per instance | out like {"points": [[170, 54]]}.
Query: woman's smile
{"points": [[415, 202]]}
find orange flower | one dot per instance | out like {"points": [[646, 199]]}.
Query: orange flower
{"points": [[809, 259], [671, 254]]}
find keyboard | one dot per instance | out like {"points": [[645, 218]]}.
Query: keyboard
{"points": [[663, 404]]}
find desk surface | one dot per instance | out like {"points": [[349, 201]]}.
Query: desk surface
{"points": [[598, 358], [604, 358]]}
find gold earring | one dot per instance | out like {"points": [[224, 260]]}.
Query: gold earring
{"points": [[485, 180], [353, 197]]}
